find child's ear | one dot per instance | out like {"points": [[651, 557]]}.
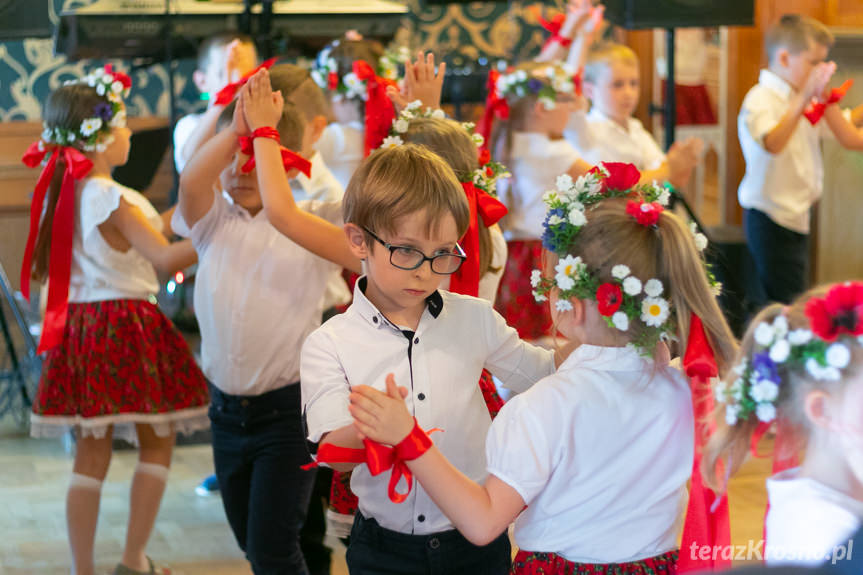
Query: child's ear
{"points": [[319, 124], [816, 406], [588, 88], [578, 311], [356, 241], [200, 80], [783, 57]]}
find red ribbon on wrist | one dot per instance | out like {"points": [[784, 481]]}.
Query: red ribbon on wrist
{"points": [[379, 110], [815, 110], [226, 95], [290, 160], [482, 205], [380, 458], [62, 233]]}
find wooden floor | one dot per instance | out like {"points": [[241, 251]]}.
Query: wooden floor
{"points": [[191, 534]]}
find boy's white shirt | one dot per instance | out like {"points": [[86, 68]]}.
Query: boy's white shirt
{"points": [[184, 129], [598, 138], [456, 338], [343, 149]]}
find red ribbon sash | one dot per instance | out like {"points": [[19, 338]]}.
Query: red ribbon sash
{"points": [[62, 233], [290, 160], [379, 110], [815, 110], [226, 95], [482, 205]]}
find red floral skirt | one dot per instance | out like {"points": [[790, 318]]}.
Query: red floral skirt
{"points": [[121, 362], [692, 104], [515, 301], [529, 563]]}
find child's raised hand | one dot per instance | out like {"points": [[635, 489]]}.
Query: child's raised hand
{"points": [[240, 60], [819, 77], [421, 83], [238, 124], [382, 417], [261, 106]]}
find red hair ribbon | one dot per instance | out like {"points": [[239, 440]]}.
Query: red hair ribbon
{"points": [[646, 214], [552, 27], [491, 210], [227, 94], [495, 107], [707, 522], [62, 233], [815, 110], [380, 458], [380, 112], [290, 160]]}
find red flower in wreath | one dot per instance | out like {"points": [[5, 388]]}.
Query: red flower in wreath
{"points": [[621, 177], [484, 157], [119, 76], [646, 214], [608, 298], [333, 81], [840, 311]]}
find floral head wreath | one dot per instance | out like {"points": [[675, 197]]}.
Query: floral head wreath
{"points": [[485, 177], [835, 323], [325, 72], [94, 133], [625, 298], [544, 82]]}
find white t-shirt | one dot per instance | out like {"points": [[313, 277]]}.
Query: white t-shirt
{"points": [[598, 138], [99, 272], [440, 363], [600, 452], [807, 519], [537, 161], [182, 131], [343, 149], [257, 296], [785, 185]]}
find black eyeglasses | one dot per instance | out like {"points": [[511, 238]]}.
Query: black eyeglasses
{"points": [[408, 258]]}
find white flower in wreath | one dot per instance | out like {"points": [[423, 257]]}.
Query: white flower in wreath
{"points": [[740, 368], [117, 87], [115, 98], [620, 320], [799, 337], [720, 390], [838, 356], [547, 103], [654, 311], [477, 139], [562, 85], [101, 147], [90, 126], [550, 197], [731, 414], [554, 220], [588, 184], [764, 334], [577, 217], [469, 126], [46, 134], [414, 106], [535, 278], [653, 287], [764, 390], [632, 286], [100, 89], [539, 297], [701, 242], [392, 142], [318, 78], [438, 114], [736, 389], [401, 125], [765, 412], [563, 305], [780, 326], [520, 75], [780, 351], [817, 371], [119, 120], [664, 197], [353, 83], [620, 271], [564, 183]]}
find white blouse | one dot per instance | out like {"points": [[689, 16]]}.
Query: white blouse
{"points": [[100, 272], [600, 452]]}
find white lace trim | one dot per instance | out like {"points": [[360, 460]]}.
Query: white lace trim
{"points": [[183, 422]]}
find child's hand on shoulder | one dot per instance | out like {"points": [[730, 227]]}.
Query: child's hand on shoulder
{"points": [[261, 106], [381, 417]]}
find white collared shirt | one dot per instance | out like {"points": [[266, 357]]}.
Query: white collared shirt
{"points": [[598, 138], [537, 161], [807, 519], [343, 149], [440, 364], [257, 296], [600, 452], [184, 129], [785, 185]]}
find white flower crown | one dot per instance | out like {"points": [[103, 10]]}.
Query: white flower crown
{"points": [[544, 82]]}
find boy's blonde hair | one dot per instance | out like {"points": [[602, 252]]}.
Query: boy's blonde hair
{"points": [[395, 182], [602, 55], [448, 139], [731, 443], [220, 42], [795, 33], [298, 87]]}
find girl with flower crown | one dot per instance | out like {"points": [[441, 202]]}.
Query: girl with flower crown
{"points": [[592, 462], [799, 369], [114, 365]]}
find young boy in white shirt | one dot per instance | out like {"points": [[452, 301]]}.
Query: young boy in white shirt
{"points": [[784, 166]]}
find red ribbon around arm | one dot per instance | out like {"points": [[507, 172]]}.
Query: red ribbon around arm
{"points": [[495, 107], [62, 233], [815, 110], [227, 94], [379, 109], [380, 458], [290, 160], [707, 521], [491, 210]]}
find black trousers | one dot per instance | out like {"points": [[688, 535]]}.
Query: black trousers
{"points": [[781, 258]]}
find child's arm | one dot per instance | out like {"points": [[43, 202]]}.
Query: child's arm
{"points": [[421, 83], [677, 168], [204, 130], [584, 39], [847, 134], [263, 108], [578, 168], [480, 512]]}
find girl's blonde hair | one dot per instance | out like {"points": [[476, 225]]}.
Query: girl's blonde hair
{"points": [[731, 443], [667, 253], [449, 140]]}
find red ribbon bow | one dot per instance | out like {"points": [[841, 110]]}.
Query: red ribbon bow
{"points": [[707, 522], [379, 109], [491, 210], [226, 95], [380, 458], [552, 27], [62, 233], [815, 110], [495, 107], [290, 160]]}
